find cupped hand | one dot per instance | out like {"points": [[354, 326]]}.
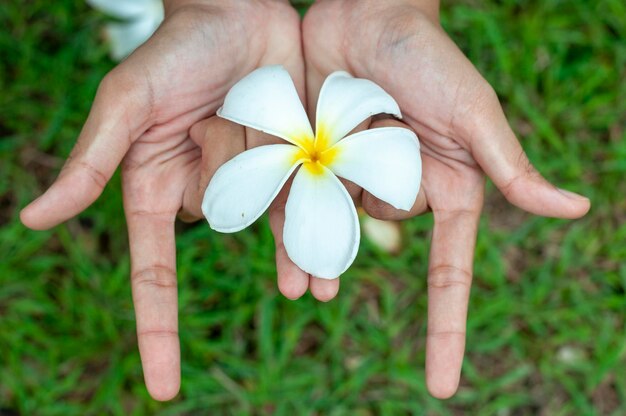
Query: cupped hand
{"points": [[464, 135], [140, 118]]}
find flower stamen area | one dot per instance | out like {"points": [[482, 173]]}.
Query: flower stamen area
{"points": [[316, 153]]}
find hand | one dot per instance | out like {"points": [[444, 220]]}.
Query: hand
{"points": [[140, 118], [463, 133]]}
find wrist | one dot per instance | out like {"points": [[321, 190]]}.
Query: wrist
{"points": [[429, 8], [171, 5]]}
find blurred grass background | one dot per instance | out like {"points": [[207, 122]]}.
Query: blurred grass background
{"points": [[546, 331]]}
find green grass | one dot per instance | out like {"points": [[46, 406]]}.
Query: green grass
{"points": [[546, 325]]}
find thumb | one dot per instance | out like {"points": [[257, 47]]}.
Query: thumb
{"points": [[118, 116], [499, 153], [220, 140]]}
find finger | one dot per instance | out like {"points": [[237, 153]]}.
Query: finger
{"points": [[219, 140], [290, 55], [118, 116], [449, 280], [465, 107], [154, 288], [380, 209], [499, 153], [323, 290], [292, 281]]}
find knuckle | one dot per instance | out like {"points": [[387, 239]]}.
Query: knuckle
{"points": [[476, 105], [484, 95], [166, 216], [446, 334], [443, 215], [447, 276], [94, 175], [126, 90], [156, 276], [113, 82], [158, 332], [524, 171], [118, 79], [377, 208]]}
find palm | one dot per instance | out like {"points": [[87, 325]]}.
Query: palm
{"points": [[441, 92], [162, 159], [462, 130], [413, 59], [142, 115]]}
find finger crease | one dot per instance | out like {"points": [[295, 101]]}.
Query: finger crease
{"points": [[96, 175], [445, 334], [165, 215], [528, 172], [150, 276], [160, 333], [454, 213], [440, 277]]}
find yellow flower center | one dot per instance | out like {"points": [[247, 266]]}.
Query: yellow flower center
{"points": [[317, 153]]}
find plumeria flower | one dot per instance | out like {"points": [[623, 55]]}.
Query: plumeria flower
{"points": [[321, 232], [140, 19]]}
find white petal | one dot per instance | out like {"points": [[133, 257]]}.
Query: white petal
{"points": [[243, 188], [321, 233], [123, 9], [385, 162], [344, 102], [128, 36], [266, 100]]}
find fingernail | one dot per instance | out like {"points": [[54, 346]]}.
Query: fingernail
{"points": [[572, 195]]}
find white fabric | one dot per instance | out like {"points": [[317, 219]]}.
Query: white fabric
{"points": [[344, 102], [321, 233], [385, 162], [243, 188], [266, 100]]}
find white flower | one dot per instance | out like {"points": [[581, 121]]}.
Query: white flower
{"points": [[140, 19], [321, 232]]}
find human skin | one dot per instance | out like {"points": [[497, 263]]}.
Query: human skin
{"points": [[140, 119], [464, 135], [145, 108]]}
